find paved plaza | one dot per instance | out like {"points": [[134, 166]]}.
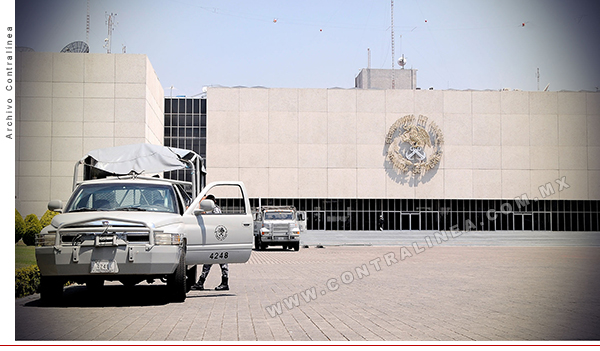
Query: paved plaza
{"points": [[359, 292]]}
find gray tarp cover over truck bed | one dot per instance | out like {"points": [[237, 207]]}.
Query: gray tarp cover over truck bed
{"points": [[142, 158]]}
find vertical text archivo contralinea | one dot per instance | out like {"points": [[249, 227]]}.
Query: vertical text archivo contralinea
{"points": [[9, 82]]}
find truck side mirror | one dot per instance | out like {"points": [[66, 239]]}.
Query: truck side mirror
{"points": [[207, 205], [55, 206]]}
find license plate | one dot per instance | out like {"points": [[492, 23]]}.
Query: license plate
{"points": [[281, 238], [104, 267]]}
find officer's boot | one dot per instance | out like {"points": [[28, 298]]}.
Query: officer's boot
{"points": [[199, 285], [224, 285]]}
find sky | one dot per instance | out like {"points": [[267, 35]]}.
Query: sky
{"points": [[458, 44]]}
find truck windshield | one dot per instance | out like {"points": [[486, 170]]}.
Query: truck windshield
{"points": [[279, 215], [123, 197]]}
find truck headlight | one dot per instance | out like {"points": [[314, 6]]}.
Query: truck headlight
{"points": [[264, 231], [45, 239], [161, 238], [294, 230]]}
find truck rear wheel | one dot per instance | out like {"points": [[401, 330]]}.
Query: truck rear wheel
{"points": [[176, 282], [51, 290], [256, 243]]}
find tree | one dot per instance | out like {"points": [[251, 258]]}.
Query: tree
{"points": [[19, 226], [32, 227], [47, 218]]}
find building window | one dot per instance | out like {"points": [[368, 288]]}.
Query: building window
{"points": [[439, 215], [185, 128]]}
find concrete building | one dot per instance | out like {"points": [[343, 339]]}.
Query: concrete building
{"points": [[70, 103], [354, 159], [324, 151], [369, 78]]}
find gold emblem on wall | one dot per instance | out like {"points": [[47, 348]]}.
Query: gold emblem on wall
{"points": [[414, 145]]}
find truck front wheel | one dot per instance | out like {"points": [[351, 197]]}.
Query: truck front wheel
{"points": [[176, 282], [190, 278]]}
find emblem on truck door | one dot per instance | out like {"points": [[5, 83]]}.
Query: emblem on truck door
{"points": [[220, 232]]}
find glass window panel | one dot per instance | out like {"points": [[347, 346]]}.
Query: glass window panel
{"points": [[174, 106], [181, 105], [196, 106], [188, 106], [196, 120], [203, 106]]}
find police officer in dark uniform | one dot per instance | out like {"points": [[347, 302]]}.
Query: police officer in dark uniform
{"points": [[206, 267]]}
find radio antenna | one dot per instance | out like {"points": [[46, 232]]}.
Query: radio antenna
{"points": [[393, 51]]}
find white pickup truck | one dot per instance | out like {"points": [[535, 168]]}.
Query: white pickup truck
{"points": [[133, 228]]}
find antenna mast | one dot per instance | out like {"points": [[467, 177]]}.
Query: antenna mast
{"points": [[111, 26], [538, 79], [393, 51], [87, 24]]}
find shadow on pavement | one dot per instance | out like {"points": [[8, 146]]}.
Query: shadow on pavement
{"points": [[109, 296]]}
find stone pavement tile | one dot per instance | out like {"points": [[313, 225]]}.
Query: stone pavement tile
{"points": [[441, 293], [262, 330], [321, 323]]}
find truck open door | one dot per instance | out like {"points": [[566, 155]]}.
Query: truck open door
{"points": [[302, 220], [219, 236]]}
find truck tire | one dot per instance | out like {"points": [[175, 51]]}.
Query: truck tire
{"points": [[296, 246], [51, 290], [190, 278], [176, 282], [256, 243]]}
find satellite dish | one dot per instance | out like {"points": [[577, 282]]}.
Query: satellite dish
{"points": [[77, 47], [402, 61]]}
